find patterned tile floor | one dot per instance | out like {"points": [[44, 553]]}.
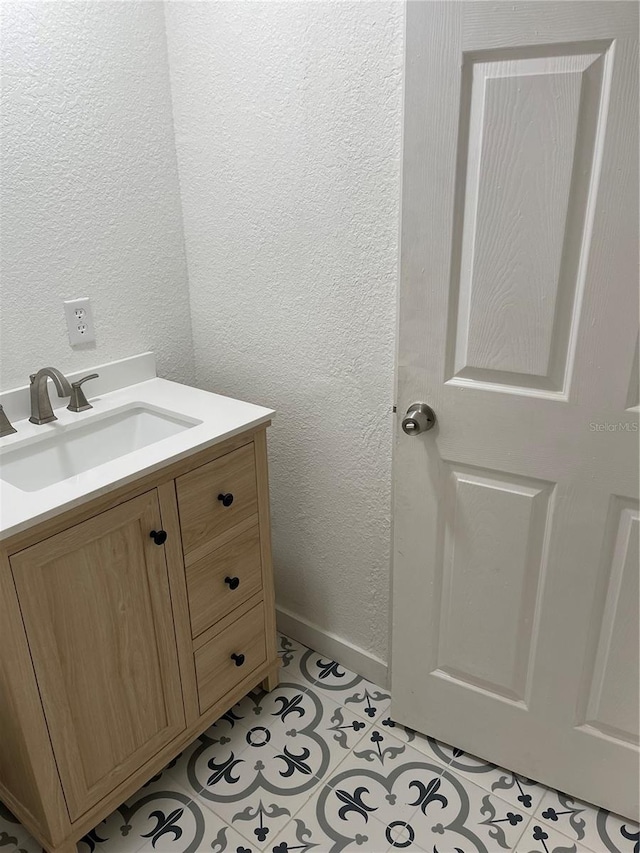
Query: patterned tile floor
{"points": [[318, 765]]}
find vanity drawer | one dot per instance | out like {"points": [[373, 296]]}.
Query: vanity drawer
{"points": [[203, 514], [224, 579], [216, 671]]}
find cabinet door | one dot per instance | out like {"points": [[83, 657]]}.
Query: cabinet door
{"points": [[97, 610]]}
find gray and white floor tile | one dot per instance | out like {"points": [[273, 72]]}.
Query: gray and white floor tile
{"points": [[389, 780], [332, 821], [291, 654], [526, 794], [228, 735], [428, 746], [540, 838], [258, 789], [307, 719], [13, 836], [596, 829], [319, 765], [462, 816], [343, 686], [159, 816]]}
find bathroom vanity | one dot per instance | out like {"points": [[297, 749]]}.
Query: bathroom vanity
{"points": [[136, 610]]}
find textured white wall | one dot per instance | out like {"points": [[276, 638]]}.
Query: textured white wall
{"points": [[90, 197], [287, 119]]}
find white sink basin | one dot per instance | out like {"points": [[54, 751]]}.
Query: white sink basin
{"points": [[76, 449]]}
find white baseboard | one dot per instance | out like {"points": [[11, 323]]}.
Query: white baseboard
{"points": [[354, 658]]}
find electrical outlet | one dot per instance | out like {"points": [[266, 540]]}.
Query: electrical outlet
{"points": [[79, 321]]}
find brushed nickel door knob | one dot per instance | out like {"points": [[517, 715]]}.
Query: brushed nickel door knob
{"points": [[419, 418]]}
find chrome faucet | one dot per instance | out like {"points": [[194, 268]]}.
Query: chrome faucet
{"points": [[41, 411]]}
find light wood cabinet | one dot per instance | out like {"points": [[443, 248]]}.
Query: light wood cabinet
{"points": [[218, 659], [97, 610], [119, 647], [202, 499], [224, 578]]}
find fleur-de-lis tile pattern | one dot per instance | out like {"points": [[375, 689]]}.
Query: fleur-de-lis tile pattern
{"points": [[319, 766]]}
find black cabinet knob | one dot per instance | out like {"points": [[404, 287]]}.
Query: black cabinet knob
{"points": [[227, 499], [158, 536], [238, 659], [233, 583]]}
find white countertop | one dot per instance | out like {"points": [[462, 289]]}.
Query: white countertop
{"points": [[220, 417]]}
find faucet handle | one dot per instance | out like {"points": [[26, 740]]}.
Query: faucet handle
{"points": [[5, 425], [79, 402], [79, 382]]}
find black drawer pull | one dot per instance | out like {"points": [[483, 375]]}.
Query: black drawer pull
{"points": [[238, 659], [233, 583], [158, 536], [226, 499]]}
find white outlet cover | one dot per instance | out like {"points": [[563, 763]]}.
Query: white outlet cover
{"points": [[79, 321]]}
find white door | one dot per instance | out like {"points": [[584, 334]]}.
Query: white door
{"points": [[515, 592]]}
